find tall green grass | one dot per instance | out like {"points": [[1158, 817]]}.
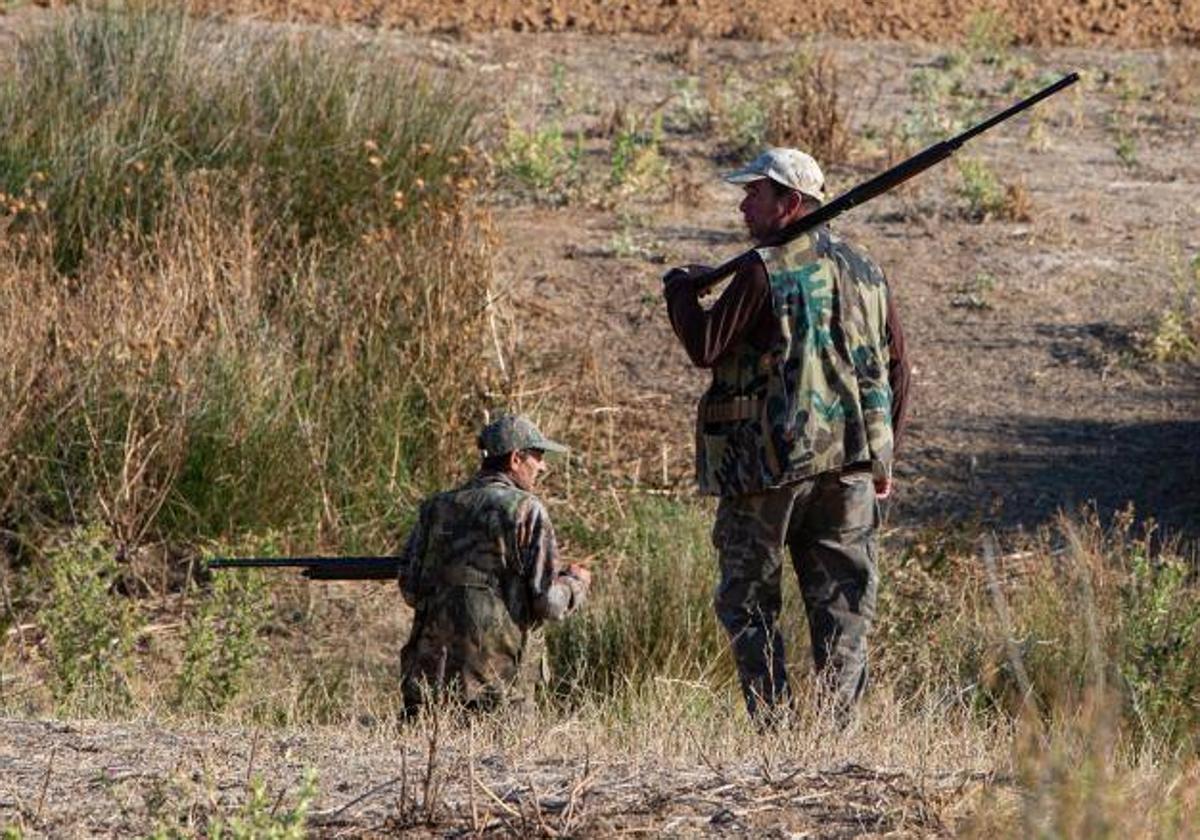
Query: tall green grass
{"points": [[242, 283], [244, 278], [107, 112], [651, 615]]}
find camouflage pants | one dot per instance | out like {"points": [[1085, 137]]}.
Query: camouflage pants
{"points": [[828, 523], [479, 684]]}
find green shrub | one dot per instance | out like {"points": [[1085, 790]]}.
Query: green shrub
{"points": [[1160, 604], [254, 296], [987, 197], [221, 641], [87, 624], [635, 160], [116, 108], [542, 162], [1103, 612]]}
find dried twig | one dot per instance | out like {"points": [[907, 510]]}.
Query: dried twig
{"points": [[337, 812], [990, 552], [37, 814], [253, 754], [492, 795]]}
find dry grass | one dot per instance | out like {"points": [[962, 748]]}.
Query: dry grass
{"points": [[217, 341], [809, 110], [906, 771]]}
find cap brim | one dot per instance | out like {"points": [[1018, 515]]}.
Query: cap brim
{"points": [[552, 446], [743, 176]]}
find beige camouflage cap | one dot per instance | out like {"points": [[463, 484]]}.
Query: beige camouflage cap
{"points": [[512, 433], [791, 167]]}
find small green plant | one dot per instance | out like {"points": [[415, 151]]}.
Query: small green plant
{"points": [[691, 111], [221, 641], [1126, 148], [558, 82], [541, 160], [626, 241], [1161, 630], [261, 819], [636, 159], [1174, 335], [974, 294], [941, 101], [1172, 338], [980, 188], [88, 624], [739, 116]]}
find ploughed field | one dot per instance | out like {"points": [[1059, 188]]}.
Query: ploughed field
{"points": [[1145, 23]]}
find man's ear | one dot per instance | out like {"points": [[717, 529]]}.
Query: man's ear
{"points": [[795, 201], [510, 463]]}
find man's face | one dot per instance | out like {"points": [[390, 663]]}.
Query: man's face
{"points": [[765, 210], [526, 466]]}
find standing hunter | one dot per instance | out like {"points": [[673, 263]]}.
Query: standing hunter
{"points": [[796, 432], [481, 570]]}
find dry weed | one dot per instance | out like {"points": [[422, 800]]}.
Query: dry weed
{"points": [[808, 111]]}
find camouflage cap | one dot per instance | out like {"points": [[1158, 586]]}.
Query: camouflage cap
{"points": [[791, 167], [512, 433]]}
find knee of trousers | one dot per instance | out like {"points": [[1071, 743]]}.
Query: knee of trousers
{"points": [[741, 608]]}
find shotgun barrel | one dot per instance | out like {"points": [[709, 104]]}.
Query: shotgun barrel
{"points": [[882, 183], [367, 567]]}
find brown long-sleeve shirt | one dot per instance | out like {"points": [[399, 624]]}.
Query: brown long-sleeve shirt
{"points": [[743, 312]]}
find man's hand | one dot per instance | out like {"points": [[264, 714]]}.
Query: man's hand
{"points": [[579, 572], [883, 487], [684, 276]]}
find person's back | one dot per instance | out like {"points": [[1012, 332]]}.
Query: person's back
{"points": [[481, 571]]}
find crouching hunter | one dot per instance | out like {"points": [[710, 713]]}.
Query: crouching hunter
{"points": [[481, 571]]}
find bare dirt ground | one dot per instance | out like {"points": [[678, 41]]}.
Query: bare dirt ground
{"points": [[1030, 397], [93, 779]]}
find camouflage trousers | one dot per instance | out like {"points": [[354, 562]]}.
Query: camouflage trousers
{"points": [[828, 523], [474, 684]]}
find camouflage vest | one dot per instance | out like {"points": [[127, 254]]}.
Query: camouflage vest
{"points": [[473, 613], [819, 399]]}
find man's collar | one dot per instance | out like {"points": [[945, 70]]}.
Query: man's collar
{"points": [[485, 477]]}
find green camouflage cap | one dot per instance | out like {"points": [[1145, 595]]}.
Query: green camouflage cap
{"points": [[512, 433]]}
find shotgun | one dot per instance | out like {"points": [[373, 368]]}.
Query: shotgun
{"points": [[880, 184], [319, 568]]}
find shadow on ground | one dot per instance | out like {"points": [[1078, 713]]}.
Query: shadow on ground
{"points": [[1035, 467]]}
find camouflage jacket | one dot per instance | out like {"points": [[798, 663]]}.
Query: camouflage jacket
{"points": [[481, 570], [819, 399]]}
